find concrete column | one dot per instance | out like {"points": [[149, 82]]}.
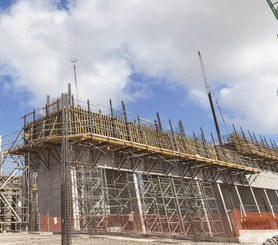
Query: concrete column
{"points": [[75, 204], [225, 207], [139, 202], [254, 197], [138, 197]]}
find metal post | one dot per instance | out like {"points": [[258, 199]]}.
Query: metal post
{"points": [[126, 121], [88, 106], [254, 197], [204, 208], [225, 207], [158, 121], [269, 203], [177, 205], [276, 193], [173, 136], [39, 222], [182, 133], [240, 201]]}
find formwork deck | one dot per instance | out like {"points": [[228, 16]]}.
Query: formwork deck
{"points": [[253, 149], [90, 128]]}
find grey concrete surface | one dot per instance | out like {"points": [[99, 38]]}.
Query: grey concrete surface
{"points": [[50, 239]]}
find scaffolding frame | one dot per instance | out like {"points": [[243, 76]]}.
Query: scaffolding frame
{"points": [[261, 154], [17, 187], [108, 203]]}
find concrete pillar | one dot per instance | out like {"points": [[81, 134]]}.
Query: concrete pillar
{"points": [[75, 203], [49, 187], [139, 202]]}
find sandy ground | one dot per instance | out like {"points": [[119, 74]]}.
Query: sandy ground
{"points": [[50, 239]]}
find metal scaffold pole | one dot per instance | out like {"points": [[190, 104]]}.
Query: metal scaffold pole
{"points": [[26, 194]]}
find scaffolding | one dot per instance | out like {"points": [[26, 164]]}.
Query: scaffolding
{"points": [[122, 202], [264, 154], [17, 187]]}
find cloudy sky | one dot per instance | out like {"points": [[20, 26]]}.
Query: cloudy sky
{"points": [[145, 53]]}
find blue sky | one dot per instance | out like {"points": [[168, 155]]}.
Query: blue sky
{"points": [[144, 53], [6, 3]]}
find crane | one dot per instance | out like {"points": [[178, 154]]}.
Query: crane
{"points": [[274, 7], [210, 99]]}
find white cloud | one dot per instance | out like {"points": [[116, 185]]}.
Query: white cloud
{"points": [[157, 38]]}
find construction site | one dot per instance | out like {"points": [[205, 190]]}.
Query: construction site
{"points": [[77, 170]]}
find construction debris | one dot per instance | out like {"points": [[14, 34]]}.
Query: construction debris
{"points": [[271, 241]]}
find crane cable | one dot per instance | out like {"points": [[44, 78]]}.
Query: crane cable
{"points": [[209, 91], [222, 116], [73, 50]]}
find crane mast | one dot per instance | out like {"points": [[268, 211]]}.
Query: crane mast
{"points": [[210, 98], [274, 7]]}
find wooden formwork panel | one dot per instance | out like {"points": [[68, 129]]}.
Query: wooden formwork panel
{"points": [[250, 148]]}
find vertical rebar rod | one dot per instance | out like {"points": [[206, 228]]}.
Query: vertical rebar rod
{"points": [[66, 196], [126, 121], [173, 135], [159, 121], [182, 133]]}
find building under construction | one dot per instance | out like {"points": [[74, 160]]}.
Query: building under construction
{"points": [[74, 168]]}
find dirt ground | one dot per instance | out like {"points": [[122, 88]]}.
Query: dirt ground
{"points": [[50, 239]]}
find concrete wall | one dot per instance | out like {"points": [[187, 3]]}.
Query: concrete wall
{"points": [[49, 184], [49, 187], [266, 180]]}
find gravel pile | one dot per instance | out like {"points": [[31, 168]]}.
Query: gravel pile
{"points": [[271, 241]]}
